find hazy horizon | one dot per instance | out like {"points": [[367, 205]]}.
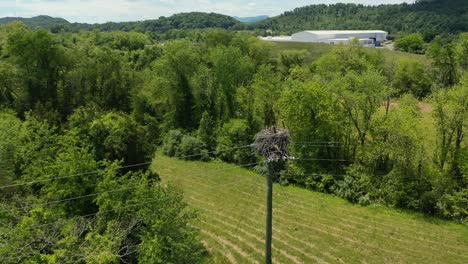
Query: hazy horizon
{"points": [[101, 11]]}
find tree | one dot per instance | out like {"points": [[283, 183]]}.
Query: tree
{"points": [[264, 92], [413, 43], [42, 62], [396, 156], [444, 61], [172, 86], [233, 134], [461, 49], [291, 58], [360, 96], [411, 77], [309, 112], [10, 126], [451, 108], [113, 135], [230, 70]]}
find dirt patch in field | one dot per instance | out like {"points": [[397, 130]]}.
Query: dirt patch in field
{"points": [[425, 107]]}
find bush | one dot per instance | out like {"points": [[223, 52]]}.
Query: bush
{"points": [[171, 143], [322, 183], [233, 134], [192, 148], [354, 187], [113, 135], [455, 206], [176, 144], [349, 189], [411, 77], [413, 43]]}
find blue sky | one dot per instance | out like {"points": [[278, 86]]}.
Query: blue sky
{"points": [[99, 11]]}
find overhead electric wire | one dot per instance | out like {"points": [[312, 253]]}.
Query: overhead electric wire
{"points": [[118, 167], [307, 159], [148, 201]]}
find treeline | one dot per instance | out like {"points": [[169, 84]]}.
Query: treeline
{"points": [[181, 21], [427, 17], [105, 102], [430, 18]]}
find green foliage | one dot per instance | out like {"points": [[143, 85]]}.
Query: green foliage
{"points": [[206, 131], [444, 61], [413, 43], [177, 144], [233, 134], [192, 20], [41, 61], [113, 135], [451, 108], [231, 69], [10, 126], [171, 143], [172, 79], [428, 17], [411, 77], [291, 58], [91, 210], [455, 205], [461, 46], [354, 186]]}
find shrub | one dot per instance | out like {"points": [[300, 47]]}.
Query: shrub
{"points": [[187, 147], [411, 77], [233, 134], [322, 183], [192, 148], [455, 206], [413, 43], [171, 143], [354, 187]]}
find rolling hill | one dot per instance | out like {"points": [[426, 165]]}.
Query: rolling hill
{"points": [[428, 17], [192, 20], [250, 19], [308, 227]]}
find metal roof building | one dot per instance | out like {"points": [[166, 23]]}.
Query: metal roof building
{"points": [[366, 37]]}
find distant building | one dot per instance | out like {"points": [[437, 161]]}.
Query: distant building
{"points": [[370, 38]]}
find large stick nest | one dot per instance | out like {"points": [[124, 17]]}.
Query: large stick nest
{"points": [[272, 143]]}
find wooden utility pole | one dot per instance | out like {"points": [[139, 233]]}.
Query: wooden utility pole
{"points": [[271, 143], [269, 213]]}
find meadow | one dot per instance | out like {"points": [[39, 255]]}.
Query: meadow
{"points": [[308, 227]]}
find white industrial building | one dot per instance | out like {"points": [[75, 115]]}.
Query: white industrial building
{"points": [[366, 37]]}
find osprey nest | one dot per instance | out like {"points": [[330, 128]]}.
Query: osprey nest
{"points": [[272, 143]]}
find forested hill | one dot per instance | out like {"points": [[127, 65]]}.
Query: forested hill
{"points": [[429, 17], [193, 20], [38, 21]]}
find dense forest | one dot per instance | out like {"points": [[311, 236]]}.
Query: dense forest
{"points": [[427, 17], [83, 114], [181, 21], [430, 18]]}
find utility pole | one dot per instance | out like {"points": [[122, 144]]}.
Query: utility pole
{"points": [[269, 213], [271, 143]]}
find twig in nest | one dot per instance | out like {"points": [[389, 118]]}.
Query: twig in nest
{"points": [[272, 143]]}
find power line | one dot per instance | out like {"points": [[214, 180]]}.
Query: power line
{"points": [[122, 189], [118, 167], [307, 159], [146, 202]]}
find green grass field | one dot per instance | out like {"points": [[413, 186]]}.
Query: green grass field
{"points": [[308, 227]]}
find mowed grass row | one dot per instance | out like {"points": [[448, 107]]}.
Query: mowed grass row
{"points": [[308, 227]]}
